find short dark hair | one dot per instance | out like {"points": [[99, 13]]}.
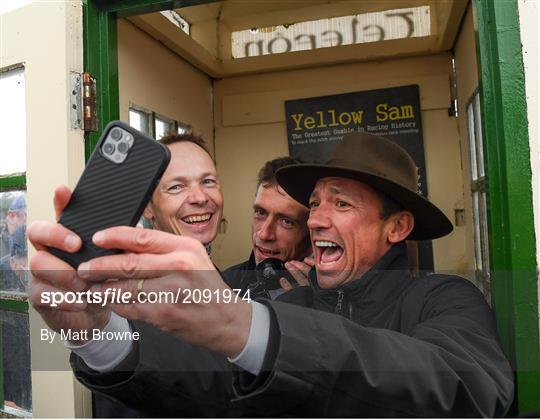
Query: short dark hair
{"points": [[267, 174], [388, 206], [186, 137]]}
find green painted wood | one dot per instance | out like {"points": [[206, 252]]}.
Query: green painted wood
{"points": [[101, 60], [14, 305], [511, 223], [13, 182], [138, 7]]}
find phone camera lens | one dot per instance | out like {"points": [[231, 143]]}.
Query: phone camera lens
{"points": [[108, 148], [116, 134], [123, 147]]}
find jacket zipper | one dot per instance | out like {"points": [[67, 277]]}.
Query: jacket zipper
{"points": [[339, 304]]}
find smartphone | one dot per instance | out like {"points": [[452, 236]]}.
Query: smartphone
{"points": [[114, 189]]}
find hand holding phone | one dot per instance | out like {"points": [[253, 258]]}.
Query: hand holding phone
{"points": [[53, 276], [114, 188]]}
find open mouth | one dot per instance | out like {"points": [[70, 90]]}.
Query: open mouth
{"points": [[267, 253], [197, 219], [328, 252]]}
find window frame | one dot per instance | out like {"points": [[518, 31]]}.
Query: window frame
{"points": [[164, 119], [16, 302], [478, 195], [148, 115], [153, 117]]}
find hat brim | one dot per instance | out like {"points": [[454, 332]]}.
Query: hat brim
{"points": [[429, 221]]}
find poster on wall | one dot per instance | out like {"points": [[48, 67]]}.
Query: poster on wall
{"points": [[316, 125]]}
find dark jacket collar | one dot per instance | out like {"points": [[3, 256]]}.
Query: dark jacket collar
{"points": [[251, 264], [374, 289]]}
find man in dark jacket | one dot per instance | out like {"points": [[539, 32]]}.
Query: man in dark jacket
{"points": [[278, 233], [401, 347], [365, 340]]}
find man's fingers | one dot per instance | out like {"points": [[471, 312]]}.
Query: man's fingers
{"points": [[285, 284], [142, 240], [131, 265], [310, 261], [131, 312], [299, 271], [43, 234], [62, 195], [47, 268]]}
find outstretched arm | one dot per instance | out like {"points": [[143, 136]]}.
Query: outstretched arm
{"points": [[441, 358]]}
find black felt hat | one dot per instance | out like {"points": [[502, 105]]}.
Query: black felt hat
{"points": [[379, 163]]}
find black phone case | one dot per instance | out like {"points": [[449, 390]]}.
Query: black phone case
{"points": [[110, 194]]}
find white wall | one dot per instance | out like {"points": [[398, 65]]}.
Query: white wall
{"points": [[529, 18]]}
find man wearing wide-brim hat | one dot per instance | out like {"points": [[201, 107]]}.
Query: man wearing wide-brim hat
{"points": [[364, 340], [400, 346]]}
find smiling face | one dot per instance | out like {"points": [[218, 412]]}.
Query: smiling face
{"points": [[188, 199], [278, 226], [347, 233]]}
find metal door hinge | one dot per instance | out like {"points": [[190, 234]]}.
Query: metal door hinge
{"points": [[83, 102], [75, 100], [89, 102]]}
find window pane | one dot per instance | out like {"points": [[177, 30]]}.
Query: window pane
{"points": [[184, 128], [472, 141], [12, 122], [13, 244], [478, 135], [484, 233], [163, 127], [477, 233], [332, 32], [16, 360], [140, 121]]}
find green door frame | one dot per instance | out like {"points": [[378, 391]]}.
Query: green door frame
{"points": [[509, 181], [507, 162]]}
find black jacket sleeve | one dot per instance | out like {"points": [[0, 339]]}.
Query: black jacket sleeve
{"points": [[165, 377], [442, 360]]}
